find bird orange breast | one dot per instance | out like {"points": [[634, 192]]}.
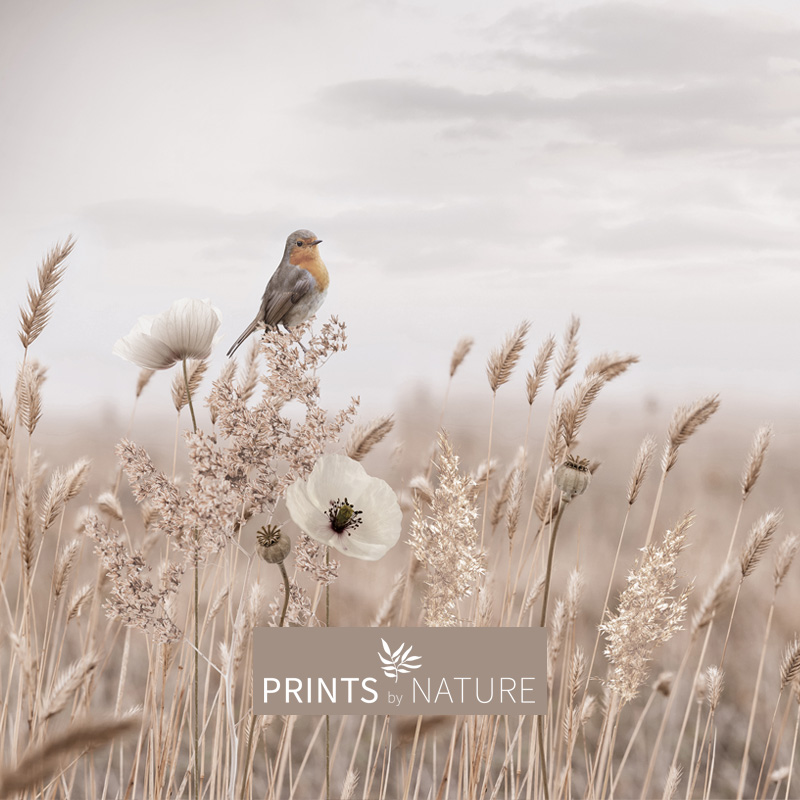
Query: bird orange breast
{"points": [[310, 260]]}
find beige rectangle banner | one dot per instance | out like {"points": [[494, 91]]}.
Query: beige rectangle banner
{"points": [[400, 671]]}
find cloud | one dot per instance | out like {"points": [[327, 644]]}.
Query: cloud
{"points": [[637, 42]]}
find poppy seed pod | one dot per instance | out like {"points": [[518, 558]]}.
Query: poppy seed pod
{"points": [[573, 476], [273, 546]]}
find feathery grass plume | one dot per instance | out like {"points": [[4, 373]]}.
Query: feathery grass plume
{"points": [[195, 369], [546, 499], [26, 524], [43, 761], [391, 602], [364, 437], [534, 594], [485, 472], [445, 540], [143, 380], [503, 360], [673, 780], [648, 614], [35, 317], [226, 374], [759, 540], [79, 600], [755, 459], [109, 504], [784, 557], [218, 602], [610, 365], [541, 365], [350, 784], [778, 775], [54, 496], [556, 633], [576, 670], [29, 394], [567, 356], [420, 485], [463, 346], [685, 421], [67, 684], [501, 494], [63, 566], [249, 375], [515, 499], [790, 663], [5, 421], [714, 597], [714, 682], [641, 465], [574, 410]]}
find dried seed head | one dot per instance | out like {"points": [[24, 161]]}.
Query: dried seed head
{"points": [[504, 358], [640, 467], [273, 546], [573, 476]]}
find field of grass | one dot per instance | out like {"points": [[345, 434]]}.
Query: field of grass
{"points": [[130, 583]]}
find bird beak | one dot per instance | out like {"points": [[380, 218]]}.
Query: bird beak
{"points": [[317, 241]]}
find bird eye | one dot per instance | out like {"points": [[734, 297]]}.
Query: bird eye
{"points": [[299, 244]]}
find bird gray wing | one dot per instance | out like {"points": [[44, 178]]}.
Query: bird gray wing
{"points": [[278, 301]]}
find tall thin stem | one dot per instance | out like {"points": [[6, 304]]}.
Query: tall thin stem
{"points": [[196, 679]]}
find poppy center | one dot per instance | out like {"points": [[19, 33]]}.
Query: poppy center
{"points": [[343, 516]]}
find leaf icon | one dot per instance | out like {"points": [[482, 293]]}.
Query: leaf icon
{"points": [[399, 661]]}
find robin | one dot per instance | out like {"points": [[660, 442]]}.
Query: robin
{"points": [[296, 289]]}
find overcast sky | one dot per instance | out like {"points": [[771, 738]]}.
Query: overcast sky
{"points": [[467, 164]]}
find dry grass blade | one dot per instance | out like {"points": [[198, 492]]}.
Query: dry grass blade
{"points": [[364, 437], [568, 355], [195, 369], [42, 761], [40, 296], [685, 421], [503, 360], [541, 366], [463, 347], [755, 459], [610, 365], [29, 394], [758, 541], [640, 467]]}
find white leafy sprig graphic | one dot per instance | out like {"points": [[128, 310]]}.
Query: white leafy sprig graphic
{"points": [[398, 661]]}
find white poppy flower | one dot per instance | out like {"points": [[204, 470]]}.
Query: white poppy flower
{"points": [[343, 507], [185, 330]]}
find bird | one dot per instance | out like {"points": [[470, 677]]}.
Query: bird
{"points": [[296, 289]]}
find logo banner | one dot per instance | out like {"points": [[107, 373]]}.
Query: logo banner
{"points": [[400, 671]]}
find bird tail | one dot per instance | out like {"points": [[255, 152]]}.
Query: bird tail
{"points": [[247, 331]]}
